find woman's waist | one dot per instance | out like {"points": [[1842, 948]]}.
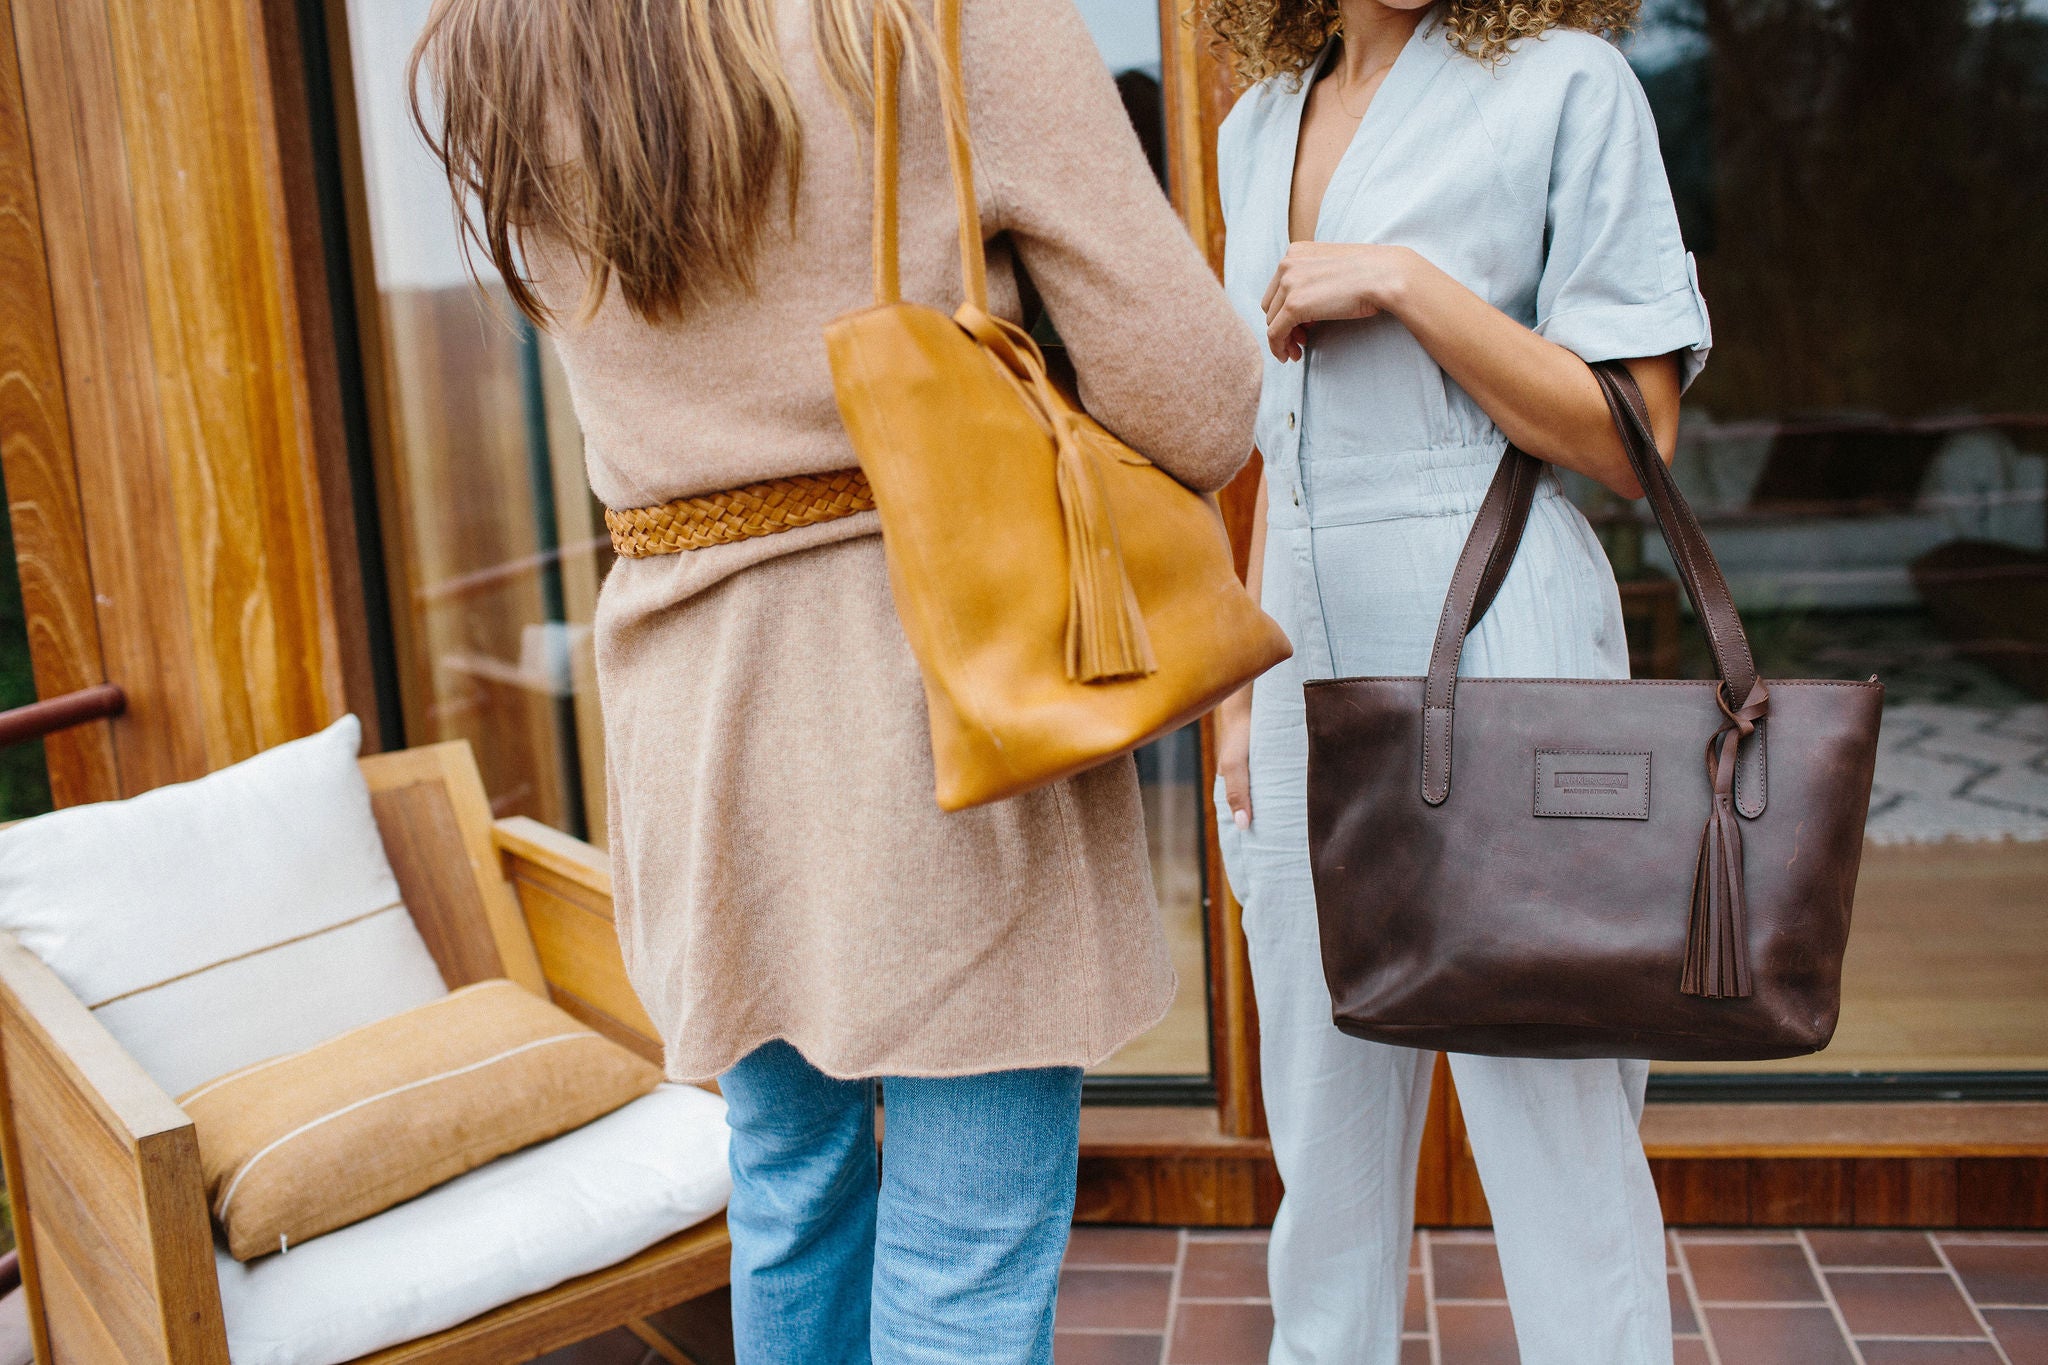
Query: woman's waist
{"points": [[1344, 486]]}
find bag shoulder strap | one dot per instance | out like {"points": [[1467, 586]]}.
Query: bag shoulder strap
{"points": [[888, 58], [1490, 551]]}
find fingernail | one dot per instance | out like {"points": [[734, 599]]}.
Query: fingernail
{"points": [[1243, 818]]}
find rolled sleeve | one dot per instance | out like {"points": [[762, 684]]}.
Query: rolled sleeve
{"points": [[1617, 282]]}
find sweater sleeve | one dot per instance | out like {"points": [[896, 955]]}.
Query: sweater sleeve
{"points": [[1163, 359]]}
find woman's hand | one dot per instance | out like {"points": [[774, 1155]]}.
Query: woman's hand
{"points": [[1329, 282], [1541, 396], [1234, 753]]}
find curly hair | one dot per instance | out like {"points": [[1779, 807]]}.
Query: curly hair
{"points": [[1282, 37]]}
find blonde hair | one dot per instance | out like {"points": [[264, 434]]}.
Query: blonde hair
{"points": [[1283, 37], [647, 137]]}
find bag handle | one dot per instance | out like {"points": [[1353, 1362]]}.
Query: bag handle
{"points": [[1717, 940], [1490, 551], [1106, 637], [959, 156]]}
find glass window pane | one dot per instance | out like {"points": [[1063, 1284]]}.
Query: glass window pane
{"points": [[1866, 188], [494, 542], [1127, 32]]}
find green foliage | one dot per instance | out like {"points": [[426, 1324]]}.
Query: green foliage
{"points": [[24, 781]]}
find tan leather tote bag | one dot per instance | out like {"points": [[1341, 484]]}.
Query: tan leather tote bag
{"points": [[1066, 599], [1539, 867]]}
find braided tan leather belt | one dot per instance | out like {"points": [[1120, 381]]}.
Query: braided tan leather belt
{"points": [[756, 509]]}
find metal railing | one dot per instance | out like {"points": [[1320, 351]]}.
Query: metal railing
{"points": [[38, 719]]}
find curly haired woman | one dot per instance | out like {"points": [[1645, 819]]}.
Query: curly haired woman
{"points": [[1438, 214]]}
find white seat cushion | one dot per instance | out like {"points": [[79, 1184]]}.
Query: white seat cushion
{"points": [[524, 1223], [215, 923]]}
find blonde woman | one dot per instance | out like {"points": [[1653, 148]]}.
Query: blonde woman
{"points": [[679, 191], [1438, 214]]}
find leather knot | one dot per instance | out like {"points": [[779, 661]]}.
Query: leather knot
{"points": [[1717, 942]]}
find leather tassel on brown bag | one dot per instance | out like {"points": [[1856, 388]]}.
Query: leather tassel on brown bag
{"points": [[1716, 954], [1717, 946]]}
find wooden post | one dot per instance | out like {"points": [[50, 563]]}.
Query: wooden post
{"points": [[36, 461], [179, 548], [1198, 95]]}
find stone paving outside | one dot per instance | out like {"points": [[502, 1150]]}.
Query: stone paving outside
{"points": [[1163, 1296]]}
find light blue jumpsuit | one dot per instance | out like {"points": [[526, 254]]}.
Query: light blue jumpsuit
{"points": [[1538, 183]]}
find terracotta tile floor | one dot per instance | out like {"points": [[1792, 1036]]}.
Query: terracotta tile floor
{"points": [[1161, 1296], [1164, 1297]]}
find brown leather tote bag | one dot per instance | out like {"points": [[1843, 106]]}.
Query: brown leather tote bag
{"points": [[1066, 598], [1540, 868]]}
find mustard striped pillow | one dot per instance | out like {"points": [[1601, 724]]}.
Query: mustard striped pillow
{"points": [[315, 1140]]}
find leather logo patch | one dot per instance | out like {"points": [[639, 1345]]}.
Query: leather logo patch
{"points": [[1592, 786]]}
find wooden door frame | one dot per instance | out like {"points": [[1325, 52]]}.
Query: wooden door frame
{"points": [[1198, 93], [169, 387], [37, 463]]}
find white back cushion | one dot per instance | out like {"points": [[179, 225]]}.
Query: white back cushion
{"points": [[219, 922]]}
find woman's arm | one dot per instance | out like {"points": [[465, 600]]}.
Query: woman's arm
{"points": [[1234, 717], [1541, 395], [1162, 358]]}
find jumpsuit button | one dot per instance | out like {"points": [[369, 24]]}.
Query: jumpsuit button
{"points": [[1290, 421], [1297, 497]]}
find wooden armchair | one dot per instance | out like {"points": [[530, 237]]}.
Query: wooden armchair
{"points": [[103, 1167]]}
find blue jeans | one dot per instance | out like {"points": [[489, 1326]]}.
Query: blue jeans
{"points": [[951, 1255]]}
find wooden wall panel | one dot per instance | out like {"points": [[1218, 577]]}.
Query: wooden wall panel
{"points": [[223, 318], [1199, 92], [35, 454], [1801, 1193], [317, 341], [1446, 1127], [162, 207], [1218, 1192], [2001, 1192], [1703, 1193], [1911, 1193], [1173, 1187], [81, 170], [1433, 1162]]}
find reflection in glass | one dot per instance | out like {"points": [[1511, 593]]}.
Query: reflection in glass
{"points": [[1866, 186], [494, 545], [1127, 34]]}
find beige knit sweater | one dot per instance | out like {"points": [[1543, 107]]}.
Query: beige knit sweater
{"points": [[780, 865]]}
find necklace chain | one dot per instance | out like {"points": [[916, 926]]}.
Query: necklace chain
{"points": [[1369, 77]]}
